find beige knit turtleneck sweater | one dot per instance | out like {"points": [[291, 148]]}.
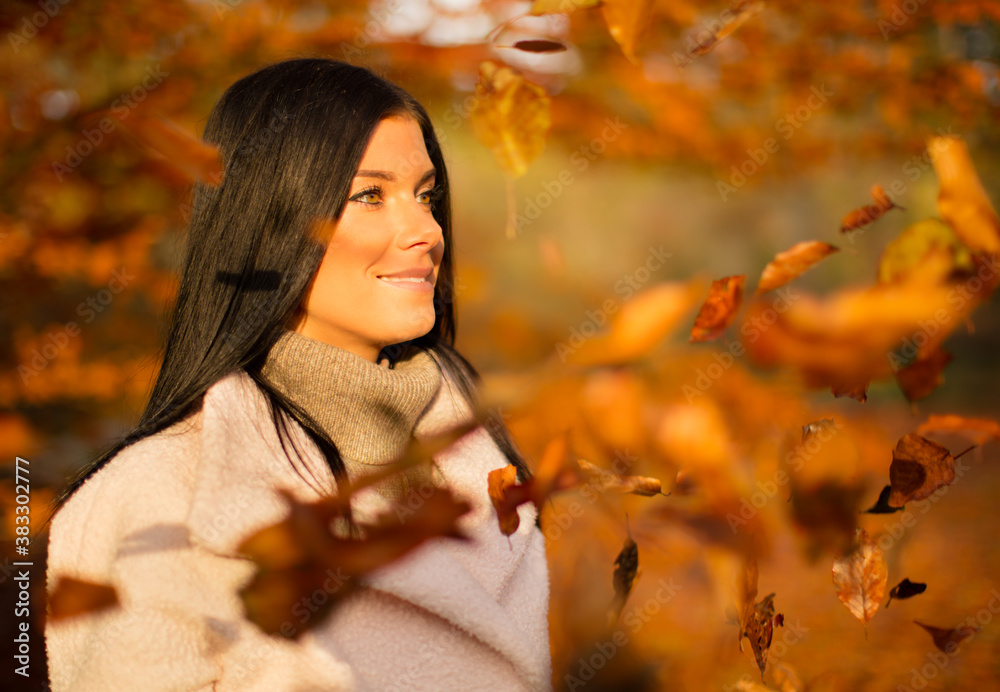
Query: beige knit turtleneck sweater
{"points": [[368, 410]]}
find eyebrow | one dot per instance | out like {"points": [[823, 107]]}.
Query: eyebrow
{"points": [[390, 177]]}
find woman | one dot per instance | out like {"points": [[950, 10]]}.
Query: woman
{"points": [[311, 339]]}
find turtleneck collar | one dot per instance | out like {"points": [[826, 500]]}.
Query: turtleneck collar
{"points": [[367, 409]]}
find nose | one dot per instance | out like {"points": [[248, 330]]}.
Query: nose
{"points": [[420, 228]]}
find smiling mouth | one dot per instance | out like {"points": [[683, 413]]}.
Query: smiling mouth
{"points": [[407, 279]]}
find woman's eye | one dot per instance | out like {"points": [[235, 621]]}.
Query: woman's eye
{"points": [[429, 197], [371, 196]]}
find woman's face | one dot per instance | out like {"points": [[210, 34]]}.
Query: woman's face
{"points": [[375, 284]]}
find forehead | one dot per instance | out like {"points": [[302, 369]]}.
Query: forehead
{"points": [[397, 144]]}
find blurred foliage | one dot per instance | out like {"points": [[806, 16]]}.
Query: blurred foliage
{"points": [[683, 141]]}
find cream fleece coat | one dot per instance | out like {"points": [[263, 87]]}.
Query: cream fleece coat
{"points": [[161, 521]]}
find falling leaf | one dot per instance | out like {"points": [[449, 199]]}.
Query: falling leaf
{"points": [[860, 577], [198, 160], [919, 467], [626, 20], [979, 429], [760, 630], [746, 593], [870, 212], [511, 118], [905, 589], [928, 248], [791, 263], [719, 309], [637, 485], [559, 6], [962, 201], [539, 46], [948, 639], [499, 480], [626, 571], [72, 597], [740, 12], [853, 387], [816, 427], [296, 556], [923, 375], [882, 505]]}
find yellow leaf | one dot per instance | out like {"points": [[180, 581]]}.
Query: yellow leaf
{"points": [[511, 117], [626, 20], [962, 201]]}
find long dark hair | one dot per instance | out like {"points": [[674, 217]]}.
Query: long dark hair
{"points": [[291, 138]]}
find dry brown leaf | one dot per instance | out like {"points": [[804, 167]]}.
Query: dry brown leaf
{"points": [[853, 387], [860, 577], [962, 201], [905, 589], [623, 579], [626, 20], [539, 45], [948, 640], [980, 430], [637, 485], [746, 594], [870, 212], [760, 630], [919, 467], [791, 263], [923, 375], [72, 597], [511, 117], [719, 309]]}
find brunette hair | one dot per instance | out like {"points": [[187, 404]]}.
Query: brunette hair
{"points": [[291, 138]]}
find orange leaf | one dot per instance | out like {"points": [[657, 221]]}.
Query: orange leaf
{"points": [[626, 571], [870, 212], [919, 467], [979, 429], [791, 263], [638, 485], [500, 480], [860, 577], [198, 160], [962, 201], [626, 20], [719, 309], [511, 117], [73, 597], [559, 6], [923, 375]]}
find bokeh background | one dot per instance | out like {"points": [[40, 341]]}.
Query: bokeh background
{"points": [[660, 117]]}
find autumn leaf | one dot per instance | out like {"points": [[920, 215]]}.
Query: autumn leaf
{"points": [[870, 212], [198, 160], [746, 594], [919, 467], [719, 309], [626, 571], [923, 375], [511, 117], [882, 505], [637, 485], [948, 639], [539, 46], [979, 429], [791, 263], [929, 249], [72, 597], [905, 589], [499, 481], [740, 12], [962, 201], [860, 577], [626, 20], [540, 7], [760, 630], [853, 387]]}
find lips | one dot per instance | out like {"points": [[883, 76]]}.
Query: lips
{"points": [[414, 276]]}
